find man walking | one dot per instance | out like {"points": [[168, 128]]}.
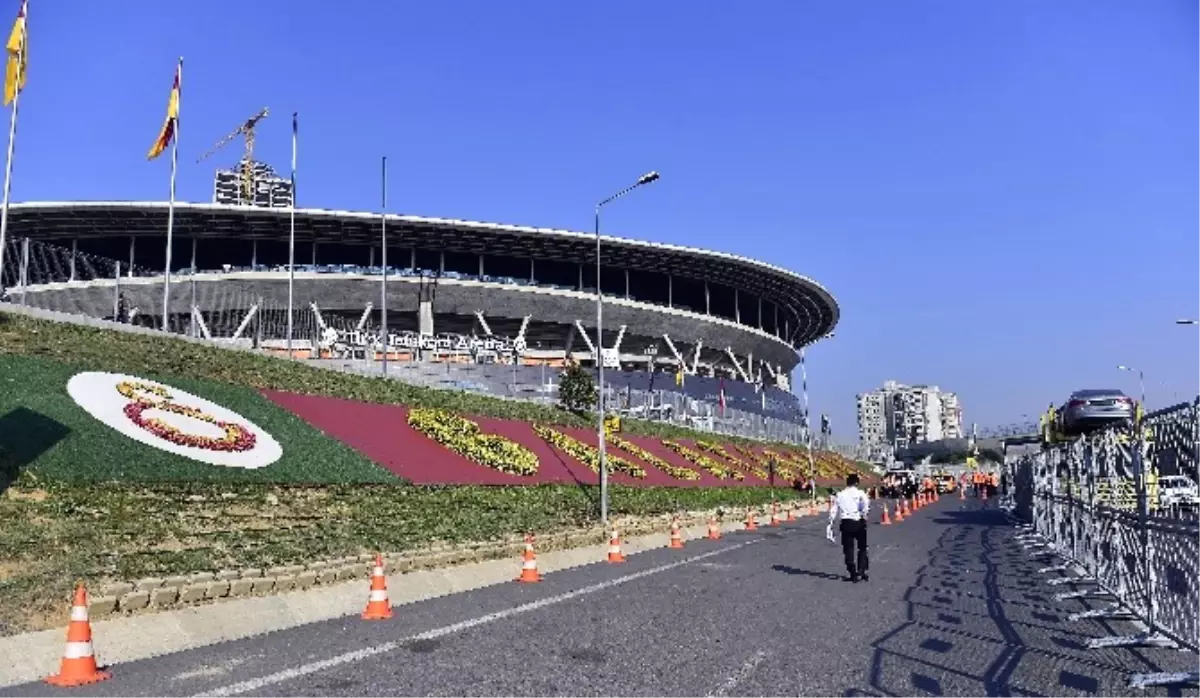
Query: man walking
{"points": [[851, 508]]}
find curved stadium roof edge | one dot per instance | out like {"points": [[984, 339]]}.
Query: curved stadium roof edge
{"points": [[449, 222]]}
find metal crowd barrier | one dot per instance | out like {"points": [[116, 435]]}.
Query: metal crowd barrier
{"points": [[1094, 503]]}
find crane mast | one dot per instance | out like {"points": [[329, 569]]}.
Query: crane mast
{"points": [[246, 131]]}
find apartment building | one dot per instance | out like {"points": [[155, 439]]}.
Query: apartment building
{"points": [[897, 416]]}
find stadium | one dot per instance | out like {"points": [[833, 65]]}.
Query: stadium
{"points": [[466, 301]]}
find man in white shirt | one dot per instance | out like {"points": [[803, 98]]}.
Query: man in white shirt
{"points": [[851, 508]]}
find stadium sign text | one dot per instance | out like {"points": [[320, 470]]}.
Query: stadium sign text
{"points": [[173, 420]]}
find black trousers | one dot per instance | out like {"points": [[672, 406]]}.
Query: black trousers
{"points": [[854, 533]]}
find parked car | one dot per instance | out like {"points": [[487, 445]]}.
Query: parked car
{"points": [[1087, 410], [1177, 490]]}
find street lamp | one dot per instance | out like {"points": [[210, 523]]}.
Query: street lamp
{"points": [[1141, 381], [603, 463]]}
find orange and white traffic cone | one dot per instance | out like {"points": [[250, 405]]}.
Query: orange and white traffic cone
{"points": [[812, 509], [885, 521], [916, 504], [714, 531], [774, 514], [615, 555], [900, 511], [378, 606], [751, 520], [78, 662], [676, 538], [529, 570], [791, 513]]}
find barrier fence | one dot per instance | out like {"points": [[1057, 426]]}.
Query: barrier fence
{"points": [[1097, 503]]}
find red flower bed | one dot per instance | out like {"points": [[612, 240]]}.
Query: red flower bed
{"points": [[382, 433]]}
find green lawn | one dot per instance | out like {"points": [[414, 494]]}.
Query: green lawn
{"points": [[42, 426]]}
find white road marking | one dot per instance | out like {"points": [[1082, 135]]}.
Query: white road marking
{"points": [[740, 675], [359, 655]]}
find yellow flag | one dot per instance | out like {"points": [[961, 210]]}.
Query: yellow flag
{"points": [[167, 134], [14, 73]]}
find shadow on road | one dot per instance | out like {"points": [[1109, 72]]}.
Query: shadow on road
{"points": [[808, 573], [981, 620]]}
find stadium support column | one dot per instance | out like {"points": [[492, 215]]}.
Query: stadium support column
{"points": [[129, 271], [74, 251]]}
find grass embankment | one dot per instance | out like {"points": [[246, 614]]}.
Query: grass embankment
{"points": [[82, 502]]}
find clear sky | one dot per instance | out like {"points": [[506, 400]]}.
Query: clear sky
{"points": [[1002, 196]]}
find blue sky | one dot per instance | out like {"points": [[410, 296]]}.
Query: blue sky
{"points": [[1002, 196]]}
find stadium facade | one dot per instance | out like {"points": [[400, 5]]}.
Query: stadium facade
{"points": [[528, 291]]}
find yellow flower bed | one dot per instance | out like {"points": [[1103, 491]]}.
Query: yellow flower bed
{"points": [[464, 438], [704, 461], [796, 464], [588, 455], [784, 469], [719, 450], [673, 470]]}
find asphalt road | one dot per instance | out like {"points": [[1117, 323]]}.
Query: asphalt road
{"points": [[953, 607]]}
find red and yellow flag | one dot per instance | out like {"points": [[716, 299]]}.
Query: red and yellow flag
{"points": [[14, 73], [167, 134]]}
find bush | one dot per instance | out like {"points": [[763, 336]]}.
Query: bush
{"points": [[576, 389]]}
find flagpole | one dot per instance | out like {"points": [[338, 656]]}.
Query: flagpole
{"points": [[812, 469], [383, 284], [12, 138], [171, 203], [292, 241]]}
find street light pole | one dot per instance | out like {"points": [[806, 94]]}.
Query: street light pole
{"points": [[1141, 381], [603, 463]]}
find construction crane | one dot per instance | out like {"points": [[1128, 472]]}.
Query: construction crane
{"points": [[246, 130]]}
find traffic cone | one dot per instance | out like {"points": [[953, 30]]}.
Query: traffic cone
{"points": [[900, 511], [791, 513], [676, 539], [936, 496], [885, 520], [78, 661], [529, 570], [916, 504], [812, 509], [378, 606], [714, 531], [774, 514], [614, 548], [751, 521]]}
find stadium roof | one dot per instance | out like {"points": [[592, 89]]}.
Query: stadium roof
{"points": [[814, 310]]}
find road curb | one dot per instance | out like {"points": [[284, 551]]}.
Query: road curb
{"points": [[33, 656]]}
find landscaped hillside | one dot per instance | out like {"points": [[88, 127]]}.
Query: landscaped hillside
{"points": [[93, 502]]}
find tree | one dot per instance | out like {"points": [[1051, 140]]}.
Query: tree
{"points": [[576, 389]]}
